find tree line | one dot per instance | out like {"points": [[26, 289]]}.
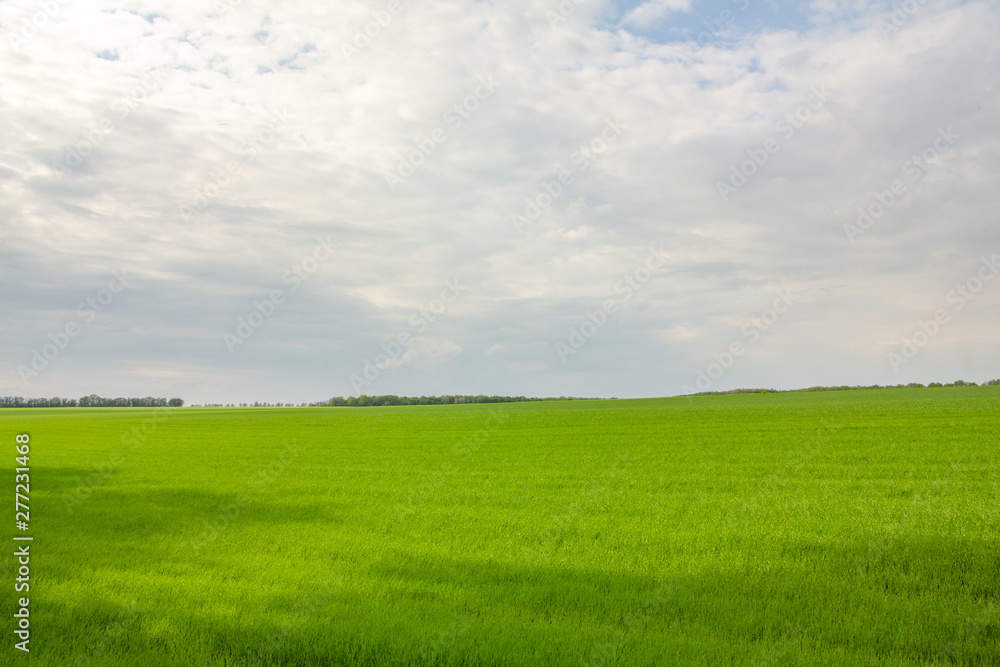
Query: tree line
{"points": [[92, 401], [254, 405], [911, 385], [371, 401]]}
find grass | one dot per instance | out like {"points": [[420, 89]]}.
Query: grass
{"points": [[832, 528]]}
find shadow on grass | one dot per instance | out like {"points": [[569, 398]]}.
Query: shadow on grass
{"points": [[129, 577], [915, 601]]}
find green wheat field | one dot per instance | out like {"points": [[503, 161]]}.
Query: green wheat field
{"points": [[828, 528]]}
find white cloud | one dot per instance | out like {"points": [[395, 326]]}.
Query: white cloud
{"points": [[653, 11]]}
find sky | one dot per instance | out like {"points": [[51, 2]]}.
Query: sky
{"points": [[234, 201]]}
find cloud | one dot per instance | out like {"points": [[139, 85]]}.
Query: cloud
{"points": [[653, 11], [214, 147], [429, 353]]}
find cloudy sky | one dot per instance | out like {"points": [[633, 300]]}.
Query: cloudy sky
{"points": [[235, 201]]}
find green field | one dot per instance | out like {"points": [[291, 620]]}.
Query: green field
{"points": [[856, 527]]}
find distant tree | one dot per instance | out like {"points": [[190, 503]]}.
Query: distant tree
{"points": [[175, 403]]}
